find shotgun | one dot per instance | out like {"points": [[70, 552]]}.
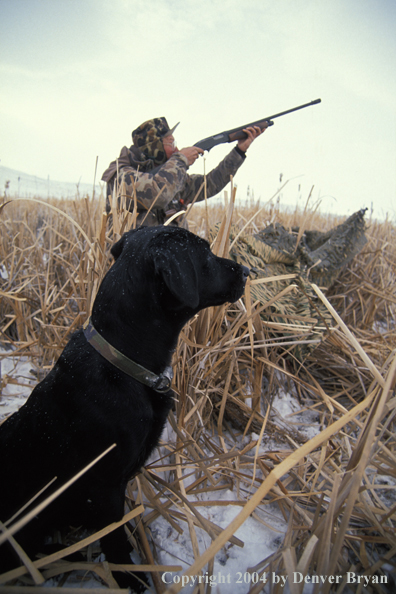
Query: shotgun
{"points": [[237, 133]]}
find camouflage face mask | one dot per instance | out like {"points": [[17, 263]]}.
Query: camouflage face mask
{"points": [[148, 139]]}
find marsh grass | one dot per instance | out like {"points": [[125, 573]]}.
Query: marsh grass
{"points": [[336, 490]]}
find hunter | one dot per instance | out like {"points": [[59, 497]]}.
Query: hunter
{"points": [[156, 170]]}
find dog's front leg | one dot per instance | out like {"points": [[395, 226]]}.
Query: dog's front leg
{"points": [[117, 550]]}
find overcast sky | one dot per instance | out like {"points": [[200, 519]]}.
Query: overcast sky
{"points": [[77, 76]]}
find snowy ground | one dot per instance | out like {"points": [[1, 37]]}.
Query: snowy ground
{"points": [[262, 535], [17, 381], [18, 184]]}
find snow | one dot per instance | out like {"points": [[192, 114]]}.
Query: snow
{"points": [[289, 409], [261, 536], [17, 381], [259, 540], [23, 185]]}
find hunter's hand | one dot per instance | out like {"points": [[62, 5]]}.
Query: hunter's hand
{"points": [[192, 153], [252, 134]]}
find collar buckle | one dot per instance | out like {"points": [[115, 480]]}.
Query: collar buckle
{"points": [[164, 381]]}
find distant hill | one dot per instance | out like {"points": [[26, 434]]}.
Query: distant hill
{"points": [[23, 185]]}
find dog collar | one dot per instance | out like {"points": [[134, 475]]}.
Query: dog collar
{"points": [[160, 383]]}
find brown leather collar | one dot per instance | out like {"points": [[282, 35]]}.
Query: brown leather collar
{"points": [[160, 383]]}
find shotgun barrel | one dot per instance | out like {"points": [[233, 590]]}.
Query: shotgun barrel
{"points": [[237, 133]]}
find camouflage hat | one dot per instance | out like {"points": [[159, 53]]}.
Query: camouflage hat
{"points": [[148, 138]]}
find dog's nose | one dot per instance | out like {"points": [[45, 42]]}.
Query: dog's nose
{"points": [[245, 272]]}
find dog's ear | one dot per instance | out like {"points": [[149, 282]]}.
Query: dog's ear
{"points": [[180, 277], [119, 246]]}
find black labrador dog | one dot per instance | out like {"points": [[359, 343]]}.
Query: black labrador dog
{"points": [[110, 385]]}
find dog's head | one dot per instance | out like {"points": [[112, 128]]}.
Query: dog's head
{"points": [[178, 269]]}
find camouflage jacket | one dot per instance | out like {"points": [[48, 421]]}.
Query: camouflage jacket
{"points": [[168, 188]]}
